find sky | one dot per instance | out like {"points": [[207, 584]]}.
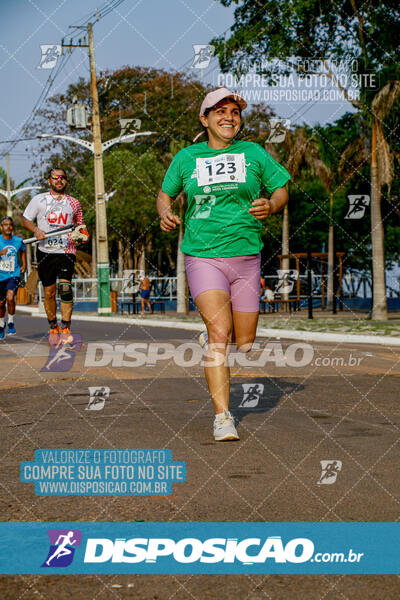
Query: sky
{"points": [[152, 33]]}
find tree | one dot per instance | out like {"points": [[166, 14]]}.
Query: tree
{"points": [[353, 32], [165, 103], [322, 170], [296, 145], [131, 212], [180, 200]]}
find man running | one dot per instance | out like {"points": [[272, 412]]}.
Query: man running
{"points": [[56, 256], [10, 273]]}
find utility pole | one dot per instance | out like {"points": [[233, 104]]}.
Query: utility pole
{"points": [[9, 209], [103, 267], [100, 256]]}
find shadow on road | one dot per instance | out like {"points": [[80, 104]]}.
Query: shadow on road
{"points": [[259, 395]]}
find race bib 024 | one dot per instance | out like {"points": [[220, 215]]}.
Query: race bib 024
{"points": [[226, 168], [56, 243]]}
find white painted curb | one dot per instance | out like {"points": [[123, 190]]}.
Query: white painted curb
{"points": [[288, 334], [318, 336]]}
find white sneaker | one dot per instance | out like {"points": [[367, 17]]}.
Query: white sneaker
{"points": [[203, 339], [224, 427]]}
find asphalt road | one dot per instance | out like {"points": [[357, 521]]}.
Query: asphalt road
{"points": [[307, 404]]}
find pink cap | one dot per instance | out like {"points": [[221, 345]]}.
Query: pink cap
{"points": [[215, 96]]}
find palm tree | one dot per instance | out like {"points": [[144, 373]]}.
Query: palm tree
{"points": [[174, 148], [296, 145], [382, 170], [325, 174]]}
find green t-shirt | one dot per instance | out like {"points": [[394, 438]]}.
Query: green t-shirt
{"points": [[220, 186]]}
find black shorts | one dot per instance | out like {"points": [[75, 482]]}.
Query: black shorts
{"points": [[51, 266]]}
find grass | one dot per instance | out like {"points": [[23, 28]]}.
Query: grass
{"points": [[353, 324], [350, 323]]}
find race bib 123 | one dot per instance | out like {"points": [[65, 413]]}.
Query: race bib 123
{"points": [[225, 168]]}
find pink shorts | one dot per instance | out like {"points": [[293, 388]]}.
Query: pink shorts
{"points": [[237, 275]]}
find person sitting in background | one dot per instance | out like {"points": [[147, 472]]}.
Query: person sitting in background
{"points": [[268, 295]]}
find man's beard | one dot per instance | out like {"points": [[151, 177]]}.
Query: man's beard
{"points": [[56, 191]]}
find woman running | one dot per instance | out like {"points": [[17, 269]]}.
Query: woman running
{"points": [[222, 178]]}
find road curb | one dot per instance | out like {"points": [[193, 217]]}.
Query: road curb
{"points": [[288, 334], [318, 336]]}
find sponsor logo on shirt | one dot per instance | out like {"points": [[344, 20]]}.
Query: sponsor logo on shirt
{"points": [[57, 218]]}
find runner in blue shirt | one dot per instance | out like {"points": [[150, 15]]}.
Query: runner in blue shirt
{"points": [[10, 272]]}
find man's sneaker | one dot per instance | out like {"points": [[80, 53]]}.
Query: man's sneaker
{"points": [[203, 339], [224, 427], [65, 336], [54, 335], [11, 329], [2, 332]]}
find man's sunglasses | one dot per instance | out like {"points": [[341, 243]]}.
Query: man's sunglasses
{"points": [[56, 177]]}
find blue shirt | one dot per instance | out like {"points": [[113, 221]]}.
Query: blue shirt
{"points": [[9, 266]]}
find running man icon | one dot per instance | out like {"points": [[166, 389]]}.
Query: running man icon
{"points": [[330, 470], [63, 543]]}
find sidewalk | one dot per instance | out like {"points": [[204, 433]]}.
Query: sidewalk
{"points": [[344, 327]]}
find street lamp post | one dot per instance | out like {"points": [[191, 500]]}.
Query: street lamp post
{"points": [[9, 193]]}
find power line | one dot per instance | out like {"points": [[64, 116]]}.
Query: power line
{"points": [[99, 14], [45, 91], [17, 140]]}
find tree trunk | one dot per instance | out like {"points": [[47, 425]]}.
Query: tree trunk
{"points": [[285, 243], [329, 290], [379, 302], [120, 258], [142, 260], [181, 292], [120, 271], [180, 276], [128, 257], [28, 258]]}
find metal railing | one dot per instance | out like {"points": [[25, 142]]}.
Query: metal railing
{"points": [[162, 288]]}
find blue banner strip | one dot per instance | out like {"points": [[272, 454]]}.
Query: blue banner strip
{"points": [[206, 548]]}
